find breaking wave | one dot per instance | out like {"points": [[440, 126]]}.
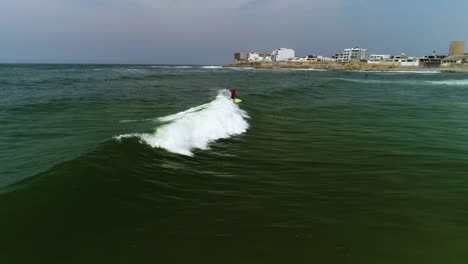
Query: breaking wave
{"points": [[212, 67], [197, 127], [308, 69], [239, 68], [450, 82], [401, 72]]}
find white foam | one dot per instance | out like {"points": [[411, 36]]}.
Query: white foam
{"points": [[212, 67], [450, 82], [172, 66], [130, 70], [197, 127], [136, 120], [240, 68], [308, 69], [420, 72]]}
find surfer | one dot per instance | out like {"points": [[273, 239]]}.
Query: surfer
{"points": [[233, 94]]}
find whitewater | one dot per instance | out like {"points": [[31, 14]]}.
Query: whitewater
{"points": [[449, 82], [197, 127]]}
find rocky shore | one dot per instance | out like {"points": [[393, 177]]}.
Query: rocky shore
{"points": [[340, 66]]}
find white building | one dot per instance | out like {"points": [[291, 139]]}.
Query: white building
{"points": [[355, 54], [298, 59], [412, 62], [379, 57], [253, 56], [338, 57], [376, 59], [283, 54], [259, 56], [398, 60], [312, 58], [317, 58]]}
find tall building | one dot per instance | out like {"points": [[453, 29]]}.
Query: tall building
{"points": [[355, 54], [283, 54], [241, 56], [457, 48], [456, 55]]}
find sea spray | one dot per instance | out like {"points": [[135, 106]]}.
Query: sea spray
{"points": [[197, 127]]}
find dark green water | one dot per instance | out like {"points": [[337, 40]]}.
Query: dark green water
{"points": [[333, 168]]}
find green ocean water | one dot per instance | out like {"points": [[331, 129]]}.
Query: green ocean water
{"points": [[154, 164]]}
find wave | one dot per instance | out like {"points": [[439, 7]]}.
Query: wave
{"points": [[172, 66], [212, 67], [151, 77], [136, 120], [307, 69], [370, 80], [385, 72], [197, 127], [130, 70], [240, 68], [450, 82]]}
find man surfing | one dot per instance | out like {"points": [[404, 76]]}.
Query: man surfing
{"points": [[233, 94]]}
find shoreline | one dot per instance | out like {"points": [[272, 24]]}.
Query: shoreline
{"points": [[341, 66]]}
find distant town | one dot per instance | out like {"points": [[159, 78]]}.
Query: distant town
{"points": [[456, 57]]}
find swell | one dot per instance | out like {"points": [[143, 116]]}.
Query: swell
{"points": [[113, 194], [152, 77], [129, 154], [189, 133], [114, 164], [46, 81], [371, 79]]}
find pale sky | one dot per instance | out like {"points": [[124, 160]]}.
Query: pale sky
{"points": [[209, 31]]}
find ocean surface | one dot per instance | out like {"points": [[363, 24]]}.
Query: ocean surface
{"points": [[154, 164]]}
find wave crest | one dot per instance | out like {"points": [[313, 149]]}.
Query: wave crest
{"points": [[212, 67], [197, 127], [450, 82]]}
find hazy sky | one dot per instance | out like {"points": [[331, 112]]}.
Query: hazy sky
{"points": [[209, 31]]}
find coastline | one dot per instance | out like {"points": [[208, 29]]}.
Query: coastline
{"points": [[340, 66]]}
